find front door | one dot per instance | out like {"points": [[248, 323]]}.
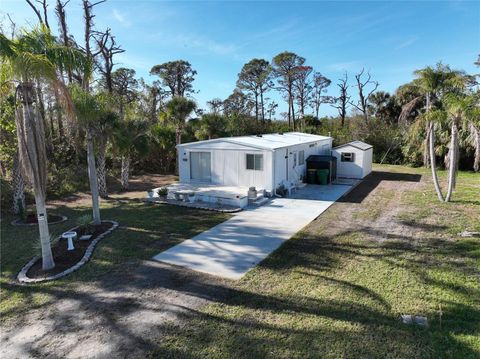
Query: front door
{"points": [[200, 166]]}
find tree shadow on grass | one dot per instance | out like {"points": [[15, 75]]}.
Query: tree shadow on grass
{"points": [[126, 296]]}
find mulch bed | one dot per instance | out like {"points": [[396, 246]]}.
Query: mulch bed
{"points": [[65, 259]]}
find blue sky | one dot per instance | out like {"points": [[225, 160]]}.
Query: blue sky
{"points": [[391, 39]]}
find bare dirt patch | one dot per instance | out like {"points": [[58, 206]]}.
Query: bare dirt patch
{"points": [[139, 185]]}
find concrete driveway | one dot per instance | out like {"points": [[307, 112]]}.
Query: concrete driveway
{"points": [[235, 246]]}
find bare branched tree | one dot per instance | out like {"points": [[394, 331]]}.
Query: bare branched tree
{"points": [[92, 172], [342, 101], [42, 19], [108, 48], [62, 25], [366, 87], [320, 84]]}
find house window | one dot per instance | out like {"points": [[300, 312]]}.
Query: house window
{"points": [[254, 162], [347, 157], [301, 158]]}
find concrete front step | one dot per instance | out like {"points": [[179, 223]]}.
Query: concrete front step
{"points": [[260, 201]]}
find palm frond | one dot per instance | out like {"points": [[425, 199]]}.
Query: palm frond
{"points": [[407, 109]]}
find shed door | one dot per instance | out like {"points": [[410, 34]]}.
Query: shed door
{"points": [[200, 166]]}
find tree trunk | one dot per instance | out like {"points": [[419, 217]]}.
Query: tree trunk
{"points": [[256, 107], [262, 105], [32, 154], [426, 148], [453, 154], [428, 128], [50, 116], [432, 161], [47, 256], [476, 141], [293, 115], [101, 169], [125, 171], [18, 186], [59, 119], [289, 109], [178, 140], [92, 176]]}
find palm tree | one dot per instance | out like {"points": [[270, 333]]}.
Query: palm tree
{"points": [[35, 56], [89, 110], [458, 108], [176, 112], [432, 83], [105, 128], [474, 129], [130, 137]]}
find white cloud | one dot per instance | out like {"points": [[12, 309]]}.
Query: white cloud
{"points": [[121, 18], [201, 43], [343, 66], [406, 43]]}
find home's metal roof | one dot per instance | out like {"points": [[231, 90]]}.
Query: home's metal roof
{"points": [[269, 141], [357, 144]]}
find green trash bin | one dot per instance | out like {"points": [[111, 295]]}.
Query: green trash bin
{"points": [[322, 176], [311, 175]]}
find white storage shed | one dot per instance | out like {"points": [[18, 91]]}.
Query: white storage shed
{"points": [[264, 161], [354, 159]]}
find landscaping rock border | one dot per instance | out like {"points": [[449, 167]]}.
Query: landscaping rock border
{"points": [[17, 222], [22, 275]]}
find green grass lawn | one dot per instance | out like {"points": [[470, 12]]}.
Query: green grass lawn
{"points": [[341, 296], [145, 230], [336, 290]]}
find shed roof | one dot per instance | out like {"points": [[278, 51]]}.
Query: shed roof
{"points": [[357, 144], [269, 141]]}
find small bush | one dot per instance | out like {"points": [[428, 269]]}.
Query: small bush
{"points": [[163, 191]]}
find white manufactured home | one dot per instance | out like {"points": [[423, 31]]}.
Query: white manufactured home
{"points": [[354, 159], [263, 161], [223, 170]]}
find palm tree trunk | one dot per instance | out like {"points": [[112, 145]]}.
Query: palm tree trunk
{"points": [[47, 256], [101, 169], [31, 144], [476, 141], [426, 148], [125, 171], [432, 160], [18, 186], [178, 140], [453, 154], [92, 176]]}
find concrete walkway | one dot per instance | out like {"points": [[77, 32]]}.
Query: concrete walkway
{"points": [[235, 246]]}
